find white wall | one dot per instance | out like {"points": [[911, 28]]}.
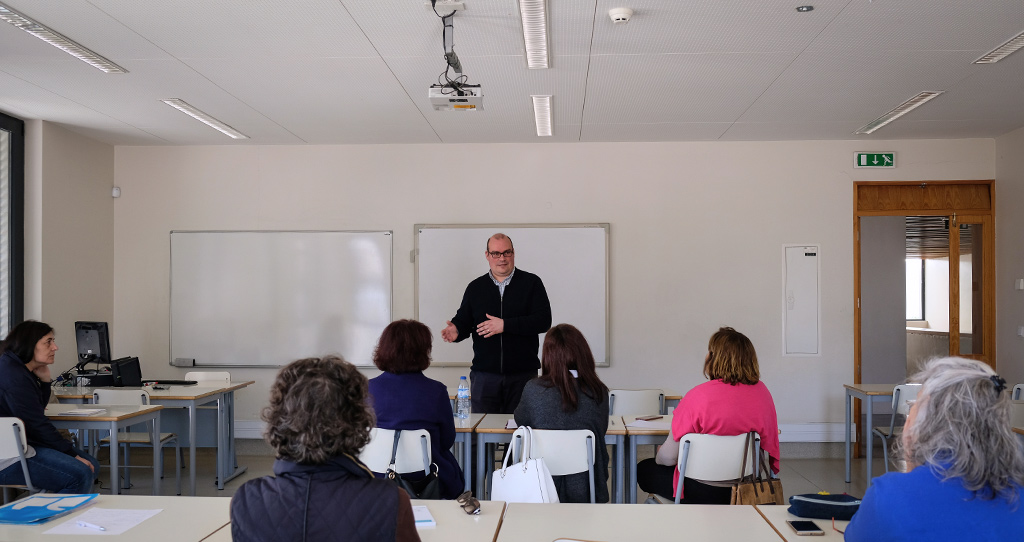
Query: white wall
{"points": [[696, 235], [1009, 256], [69, 232]]}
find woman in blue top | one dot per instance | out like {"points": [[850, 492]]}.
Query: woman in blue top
{"points": [[966, 467], [404, 398], [53, 463]]}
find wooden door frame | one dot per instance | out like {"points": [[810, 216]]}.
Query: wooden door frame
{"points": [[941, 208]]}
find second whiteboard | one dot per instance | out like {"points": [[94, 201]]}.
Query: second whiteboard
{"points": [[571, 259]]}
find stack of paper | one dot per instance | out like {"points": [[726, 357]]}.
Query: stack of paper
{"points": [[422, 516], [81, 412]]}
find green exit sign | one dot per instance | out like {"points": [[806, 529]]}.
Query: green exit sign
{"points": [[874, 159]]}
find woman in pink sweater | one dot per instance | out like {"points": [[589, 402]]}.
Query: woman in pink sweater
{"points": [[734, 402]]}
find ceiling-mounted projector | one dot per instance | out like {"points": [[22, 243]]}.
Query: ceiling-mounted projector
{"points": [[462, 98]]}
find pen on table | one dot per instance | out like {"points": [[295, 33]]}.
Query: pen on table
{"points": [[88, 525]]}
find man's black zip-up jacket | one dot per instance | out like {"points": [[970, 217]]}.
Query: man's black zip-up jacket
{"points": [[526, 311]]}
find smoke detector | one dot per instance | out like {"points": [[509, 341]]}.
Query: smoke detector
{"points": [[620, 15]]}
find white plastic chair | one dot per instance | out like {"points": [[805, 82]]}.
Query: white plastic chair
{"points": [[714, 458], [201, 377], [14, 444], [1016, 392], [564, 451], [625, 402], [903, 395], [128, 438], [413, 451]]}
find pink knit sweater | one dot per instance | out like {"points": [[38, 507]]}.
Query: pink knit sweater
{"points": [[718, 408]]}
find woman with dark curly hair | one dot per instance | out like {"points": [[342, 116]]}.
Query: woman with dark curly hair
{"points": [[404, 398], [317, 422]]}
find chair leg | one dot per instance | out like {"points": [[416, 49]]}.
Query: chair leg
{"points": [[179, 464], [885, 453]]}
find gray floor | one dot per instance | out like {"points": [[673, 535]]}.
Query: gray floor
{"points": [[804, 475]]}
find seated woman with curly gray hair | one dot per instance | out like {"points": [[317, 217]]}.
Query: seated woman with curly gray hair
{"points": [[965, 465], [317, 422]]}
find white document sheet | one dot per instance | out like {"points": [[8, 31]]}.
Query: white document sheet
{"points": [[115, 521], [663, 425]]}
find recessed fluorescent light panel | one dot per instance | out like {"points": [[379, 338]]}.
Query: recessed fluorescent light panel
{"points": [[542, 114], [535, 32], [899, 111], [1003, 51], [58, 40], [187, 109]]}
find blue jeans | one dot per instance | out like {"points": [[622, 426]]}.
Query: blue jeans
{"points": [[55, 472]]}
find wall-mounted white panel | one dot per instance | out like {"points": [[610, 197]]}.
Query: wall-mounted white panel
{"points": [[267, 298], [801, 300]]}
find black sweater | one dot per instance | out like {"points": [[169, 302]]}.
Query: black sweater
{"points": [[526, 311], [24, 396]]}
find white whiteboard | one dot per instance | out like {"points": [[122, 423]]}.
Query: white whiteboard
{"points": [[267, 298], [571, 259]]}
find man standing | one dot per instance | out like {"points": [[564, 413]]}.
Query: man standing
{"points": [[504, 310]]}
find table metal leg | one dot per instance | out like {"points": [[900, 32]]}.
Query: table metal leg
{"points": [[222, 445], [631, 491], [467, 458], [480, 466], [192, 421], [868, 437], [115, 480], [158, 455], [849, 415]]}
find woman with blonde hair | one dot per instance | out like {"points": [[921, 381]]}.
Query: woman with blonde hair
{"points": [[965, 465], [733, 402]]}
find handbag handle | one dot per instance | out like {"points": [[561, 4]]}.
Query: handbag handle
{"points": [[743, 464], [394, 453]]}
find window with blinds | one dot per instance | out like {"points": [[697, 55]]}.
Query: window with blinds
{"points": [[12, 181]]}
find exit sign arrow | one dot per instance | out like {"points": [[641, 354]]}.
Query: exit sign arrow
{"points": [[874, 159]]}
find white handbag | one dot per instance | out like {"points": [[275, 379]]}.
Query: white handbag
{"points": [[526, 481]]}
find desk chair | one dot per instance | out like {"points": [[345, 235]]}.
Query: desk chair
{"points": [[714, 458], [626, 402], [211, 377], [14, 444], [1016, 392], [564, 451], [128, 438], [903, 395], [413, 451]]}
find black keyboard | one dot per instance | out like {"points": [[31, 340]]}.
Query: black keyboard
{"points": [[171, 382]]}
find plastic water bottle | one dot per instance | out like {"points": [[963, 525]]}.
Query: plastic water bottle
{"points": [[462, 399]]}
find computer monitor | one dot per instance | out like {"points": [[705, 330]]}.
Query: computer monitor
{"points": [[126, 371], [93, 343]]}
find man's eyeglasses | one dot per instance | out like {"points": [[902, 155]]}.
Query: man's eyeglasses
{"points": [[495, 254], [469, 503]]}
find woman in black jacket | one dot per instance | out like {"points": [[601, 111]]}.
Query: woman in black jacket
{"points": [[53, 463], [317, 422]]}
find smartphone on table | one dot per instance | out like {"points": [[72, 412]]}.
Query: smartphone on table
{"points": [[805, 528]]}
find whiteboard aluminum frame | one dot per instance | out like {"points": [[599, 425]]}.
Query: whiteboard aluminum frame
{"points": [[414, 258], [170, 286]]}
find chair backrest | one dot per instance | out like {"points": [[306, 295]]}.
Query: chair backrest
{"points": [[104, 396], [715, 458], [625, 402], [1016, 392], [12, 438], [903, 395], [564, 451], [201, 376], [413, 450], [14, 444]]}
